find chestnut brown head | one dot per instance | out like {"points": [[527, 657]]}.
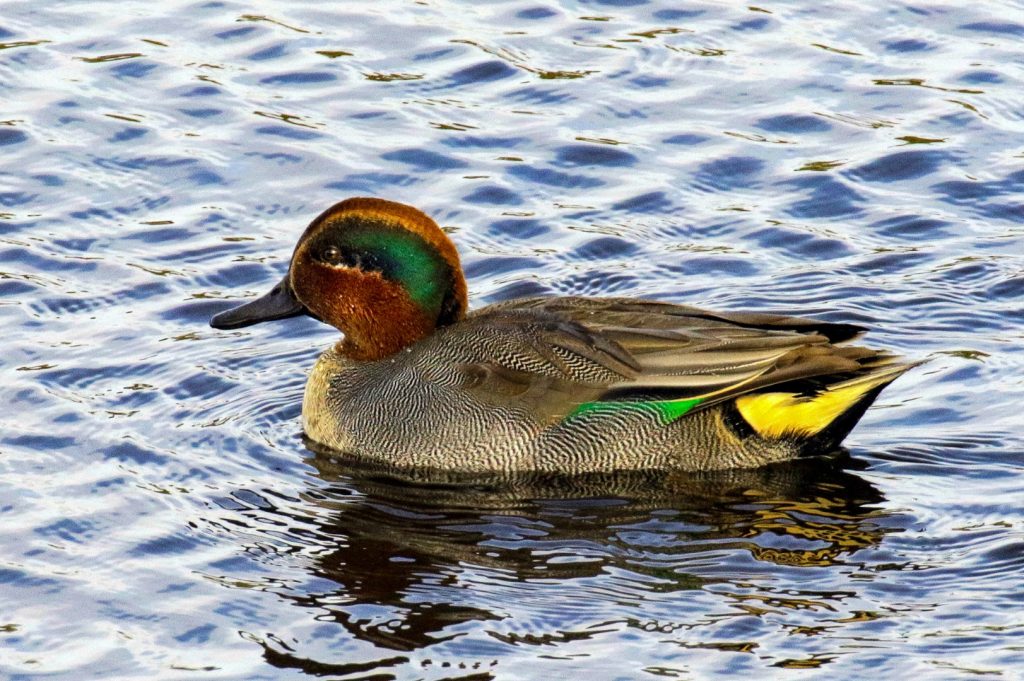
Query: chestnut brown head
{"points": [[382, 272]]}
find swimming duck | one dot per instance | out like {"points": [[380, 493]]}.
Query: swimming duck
{"points": [[562, 384]]}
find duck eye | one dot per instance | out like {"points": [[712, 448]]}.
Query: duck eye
{"points": [[331, 255]]}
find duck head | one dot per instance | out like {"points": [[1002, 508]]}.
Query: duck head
{"points": [[381, 272]]}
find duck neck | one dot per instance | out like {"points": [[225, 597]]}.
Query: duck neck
{"points": [[379, 317], [380, 333]]}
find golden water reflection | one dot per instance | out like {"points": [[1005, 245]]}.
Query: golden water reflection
{"points": [[397, 546]]}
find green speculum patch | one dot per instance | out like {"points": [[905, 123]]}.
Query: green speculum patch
{"points": [[668, 410]]}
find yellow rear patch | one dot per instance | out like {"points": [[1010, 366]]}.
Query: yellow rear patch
{"points": [[780, 414]]}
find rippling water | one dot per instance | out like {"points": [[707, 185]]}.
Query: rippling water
{"points": [[161, 515]]}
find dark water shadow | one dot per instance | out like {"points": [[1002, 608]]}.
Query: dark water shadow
{"points": [[398, 539]]}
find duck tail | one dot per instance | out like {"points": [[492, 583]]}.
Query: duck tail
{"points": [[823, 418]]}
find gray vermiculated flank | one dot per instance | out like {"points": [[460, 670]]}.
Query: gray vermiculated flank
{"points": [[497, 391]]}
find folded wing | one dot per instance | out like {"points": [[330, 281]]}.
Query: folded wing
{"points": [[558, 355]]}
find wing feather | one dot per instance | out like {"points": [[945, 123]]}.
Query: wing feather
{"points": [[553, 354]]}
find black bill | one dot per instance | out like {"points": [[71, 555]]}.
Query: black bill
{"points": [[280, 303]]}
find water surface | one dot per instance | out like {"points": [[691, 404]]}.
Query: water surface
{"points": [[162, 517]]}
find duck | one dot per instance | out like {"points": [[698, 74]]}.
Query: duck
{"points": [[567, 384]]}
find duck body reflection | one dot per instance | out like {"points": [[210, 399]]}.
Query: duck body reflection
{"points": [[408, 559]]}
